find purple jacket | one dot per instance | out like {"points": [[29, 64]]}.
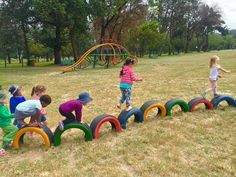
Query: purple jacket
{"points": [[72, 105]]}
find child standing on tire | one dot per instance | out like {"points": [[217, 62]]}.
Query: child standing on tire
{"points": [[215, 69], [8, 129], [127, 77], [36, 93], [76, 105], [17, 98]]}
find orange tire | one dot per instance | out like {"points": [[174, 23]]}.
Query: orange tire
{"points": [[37, 130]]}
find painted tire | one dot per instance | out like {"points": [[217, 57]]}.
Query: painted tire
{"points": [[125, 115], [149, 105], [171, 103], [216, 101], [84, 127], [46, 135], [196, 101], [99, 120]]}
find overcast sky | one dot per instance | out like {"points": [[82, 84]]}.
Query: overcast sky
{"points": [[228, 8]]}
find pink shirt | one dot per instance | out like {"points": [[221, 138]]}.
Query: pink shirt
{"points": [[128, 75]]}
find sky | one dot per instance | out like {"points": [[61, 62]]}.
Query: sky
{"points": [[228, 8]]}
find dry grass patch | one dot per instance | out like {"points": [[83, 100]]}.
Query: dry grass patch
{"points": [[201, 143]]}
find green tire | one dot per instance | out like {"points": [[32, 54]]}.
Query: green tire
{"points": [[171, 103], [84, 127]]}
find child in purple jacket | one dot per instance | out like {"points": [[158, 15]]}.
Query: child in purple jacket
{"points": [[127, 77], [76, 105]]}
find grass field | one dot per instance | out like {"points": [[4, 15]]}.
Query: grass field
{"points": [[201, 143]]}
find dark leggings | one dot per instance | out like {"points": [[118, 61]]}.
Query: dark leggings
{"points": [[69, 117]]}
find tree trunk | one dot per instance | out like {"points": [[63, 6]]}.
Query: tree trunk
{"points": [[57, 47], [73, 43], [187, 42], [19, 55], [27, 52], [9, 58]]}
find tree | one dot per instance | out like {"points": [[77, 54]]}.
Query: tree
{"points": [[210, 20], [112, 19], [20, 13], [146, 39], [60, 15]]}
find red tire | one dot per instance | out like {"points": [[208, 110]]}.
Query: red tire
{"points": [[99, 120], [196, 101]]}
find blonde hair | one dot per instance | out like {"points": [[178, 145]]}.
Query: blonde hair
{"points": [[38, 89], [213, 60]]}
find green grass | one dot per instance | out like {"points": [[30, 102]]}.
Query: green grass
{"points": [[201, 143]]}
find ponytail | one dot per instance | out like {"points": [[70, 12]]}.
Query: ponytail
{"points": [[128, 61], [33, 91], [121, 71]]}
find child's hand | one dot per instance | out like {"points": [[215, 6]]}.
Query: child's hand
{"points": [[140, 79], [35, 124]]}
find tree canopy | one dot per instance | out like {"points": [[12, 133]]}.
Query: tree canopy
{"points": [[60, 28]]}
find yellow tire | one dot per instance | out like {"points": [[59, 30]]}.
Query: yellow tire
{"points": [[149, 105], [21, 132]]}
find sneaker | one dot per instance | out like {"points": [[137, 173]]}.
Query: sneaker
{"points": [[7, 145], [203, 95], [128, 108], [61, 125], [118, 106], [216, 94], [2, 152]]}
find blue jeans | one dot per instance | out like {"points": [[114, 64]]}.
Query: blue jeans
{"points": [[126, 96]]}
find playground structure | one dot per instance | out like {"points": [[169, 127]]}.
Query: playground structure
{"points": [[102, 54], [92, 132]]}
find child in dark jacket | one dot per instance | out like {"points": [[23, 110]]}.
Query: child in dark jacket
{"points": [[17, 97]]}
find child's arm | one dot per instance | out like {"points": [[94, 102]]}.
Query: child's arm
{"points": [[5, 114], [134, 78], [224, 70], [78, 113]]}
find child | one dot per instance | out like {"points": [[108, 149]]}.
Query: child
{"points": [[36, 93], [16, 98], [9, 130], [214, 75], [127, 77], [31, 108], [68, 107]]}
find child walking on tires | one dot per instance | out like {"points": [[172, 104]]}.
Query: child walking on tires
{"points": [[76, 106], [215, 69], [127, 78]]}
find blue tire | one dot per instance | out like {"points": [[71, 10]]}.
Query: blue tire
{"points": [[216, 101], [125, 115]]}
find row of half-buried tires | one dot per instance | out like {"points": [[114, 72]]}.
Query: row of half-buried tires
{"points": [[92, 131]]}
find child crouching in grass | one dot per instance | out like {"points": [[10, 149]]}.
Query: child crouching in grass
{"points": [[31, 108], [8, 129]]}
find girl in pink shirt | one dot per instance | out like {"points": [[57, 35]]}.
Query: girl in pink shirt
{"points": [[36, 93], [127, 77]]}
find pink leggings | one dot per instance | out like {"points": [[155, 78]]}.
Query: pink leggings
{"points": [[213, 87]]}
